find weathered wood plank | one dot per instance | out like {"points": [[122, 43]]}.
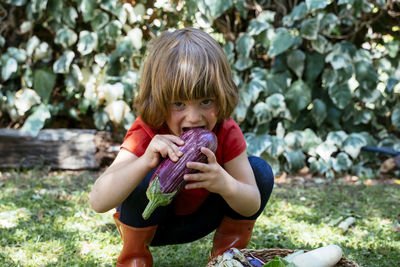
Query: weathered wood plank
{"points": [[55, 148]]}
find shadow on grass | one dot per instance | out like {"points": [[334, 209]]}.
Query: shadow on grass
{"points": [[297, 217], [371, 241], [57, 225]]}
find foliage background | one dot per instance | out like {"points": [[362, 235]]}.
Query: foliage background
{"points": [[318, 80]]}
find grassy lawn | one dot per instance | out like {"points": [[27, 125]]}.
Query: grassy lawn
{"points": [[45, 220]]}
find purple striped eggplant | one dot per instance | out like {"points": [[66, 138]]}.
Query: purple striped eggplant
{"points": [[167, 179]]}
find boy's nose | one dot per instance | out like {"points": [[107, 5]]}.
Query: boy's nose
{"points": [[193, 116]]}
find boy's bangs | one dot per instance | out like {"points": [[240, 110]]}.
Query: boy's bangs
{"points": [[191, 81]]}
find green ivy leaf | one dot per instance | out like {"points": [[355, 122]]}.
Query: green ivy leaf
{"points": [[329, 78], [309, 29], [337, 138], [317, 4], [243, 63], [244, 44], [345, 2], [38, 6], [342, 162], [261, 111], [276, 83], [9, 67], [310, 141], [129, 118], [325, 150], [295, 159], [353, 144], [63, 63], [328, 23], [257, 144], [65, 37], [295, 61], [35, 122], [314, 65], [137, 13], [16, 2], [135, 36], [266, 16], [100, 119], [363, 117], [69, 16], [276, 104], [339, 60], [277, 147], [259, 75], [319, 165], [254, 87], [396, 118], [214, 9], [240, 6], [294, 140], [340, 95], [113, 29], [31, 45], [87, 7], [298, 12], [55, 8], [17, 53], [319, 111], [256, 27], [298, 97], [28, 77], [87, 42], [100, 20], [281, 42], [25, 99], [43, 83], [321, 44]]}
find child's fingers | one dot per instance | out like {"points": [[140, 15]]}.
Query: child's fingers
{"points": [[166, 145], [197, 166], [210, 155], [195, 177], [196, 185], [174, 139]]}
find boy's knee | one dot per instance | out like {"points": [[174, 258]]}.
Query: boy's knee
{"points": [[262, 172]]}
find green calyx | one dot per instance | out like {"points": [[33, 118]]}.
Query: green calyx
{"points": [[156, 198]]}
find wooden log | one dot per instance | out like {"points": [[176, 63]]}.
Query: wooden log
{"points": [[71, 149]]}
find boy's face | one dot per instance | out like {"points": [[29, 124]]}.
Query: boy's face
{"points": [[186, 114]]}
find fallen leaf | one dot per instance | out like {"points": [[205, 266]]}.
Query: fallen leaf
{"points": [[388, 165], [40, 215], [370, 182]]}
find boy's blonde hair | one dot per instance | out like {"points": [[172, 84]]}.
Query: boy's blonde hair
{"points": [[185, 64]]}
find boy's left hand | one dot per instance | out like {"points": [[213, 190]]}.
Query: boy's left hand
{"points": [[211, 175]]}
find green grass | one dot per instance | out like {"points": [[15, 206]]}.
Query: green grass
{"points": [[45, 220]]}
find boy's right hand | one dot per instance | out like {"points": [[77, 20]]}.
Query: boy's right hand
{"points": [[164, 145]]}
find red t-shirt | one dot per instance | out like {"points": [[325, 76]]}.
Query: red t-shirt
{"points": [[231, 144]]}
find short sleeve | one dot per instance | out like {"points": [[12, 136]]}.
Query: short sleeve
{"points": [[231, 142], [138, 138]]}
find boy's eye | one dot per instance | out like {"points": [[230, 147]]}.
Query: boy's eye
{"points": [[207, 102], [178, 104]]}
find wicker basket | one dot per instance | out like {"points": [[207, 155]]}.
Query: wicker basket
{"points": [[268, 254]]}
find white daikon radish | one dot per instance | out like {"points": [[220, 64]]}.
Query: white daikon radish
{"points": [[326, 256]]}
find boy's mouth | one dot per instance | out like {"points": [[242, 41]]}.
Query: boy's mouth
{"points": [[184, 129]]}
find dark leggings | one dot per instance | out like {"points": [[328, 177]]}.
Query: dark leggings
{"points": [[177, 229]]}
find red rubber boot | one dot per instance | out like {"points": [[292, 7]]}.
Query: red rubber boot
{"points": [[231, 233], [136, 241]]}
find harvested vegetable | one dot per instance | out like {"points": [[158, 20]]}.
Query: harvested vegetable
{"points": [[326, 256], [167, 179]]}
